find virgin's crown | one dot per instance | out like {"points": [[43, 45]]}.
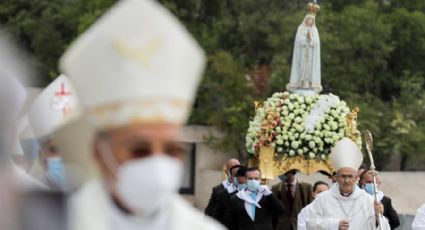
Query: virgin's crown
{"points": [[313, 8]]}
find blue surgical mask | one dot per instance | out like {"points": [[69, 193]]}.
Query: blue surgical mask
{"points": [[56, 172], [369, 188], [235, 182], [241, 187], [253, 185], [229, 177]]}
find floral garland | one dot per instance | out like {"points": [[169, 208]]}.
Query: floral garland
{"points": [[298, 125]]}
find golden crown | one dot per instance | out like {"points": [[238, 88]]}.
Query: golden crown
{"points": [[313, 8]]}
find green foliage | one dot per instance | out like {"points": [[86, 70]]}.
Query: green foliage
{"points": [[372, 53]]}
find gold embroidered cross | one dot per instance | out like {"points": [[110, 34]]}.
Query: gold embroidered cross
{"points": [[142, 56]]}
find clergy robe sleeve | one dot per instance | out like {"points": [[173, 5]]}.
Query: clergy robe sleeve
{"points": [[419, 221], [317, 220]]}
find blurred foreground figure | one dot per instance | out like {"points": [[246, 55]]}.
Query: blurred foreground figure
{"points": [[419, 221], [345, 206], [52, 108], [136, 71], [12, 96]]}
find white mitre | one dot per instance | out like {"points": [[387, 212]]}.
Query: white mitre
{"points": [[345, 154], [53, 107], [136, 64]]}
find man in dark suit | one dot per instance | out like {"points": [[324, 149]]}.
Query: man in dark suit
{"points": [[228, 181], [254, 207], [295, 195], [223, 197], [366, 183]]}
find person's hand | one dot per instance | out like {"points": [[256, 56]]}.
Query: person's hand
{"points": [[264, 190], [379, 208], [343, 225]]}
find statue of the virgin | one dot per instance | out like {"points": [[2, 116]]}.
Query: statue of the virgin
{"points": [[305, 71]]}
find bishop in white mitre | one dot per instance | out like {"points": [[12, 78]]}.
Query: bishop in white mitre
{"points": [[136, 72], [346, 206]]}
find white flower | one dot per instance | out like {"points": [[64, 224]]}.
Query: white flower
{"points": [[291, 152], [300, 151], [278, 129], [279, 149], [308, 100], [273, 145], [311, 155], [300, 128], [308, 137], [291, 116], [292, 96], [286, 143], [298, 120], [279, 142], [300, 100], [291, 106], [311, 144], [323, 156], [286, 93], [326, 127], [294, 144]]}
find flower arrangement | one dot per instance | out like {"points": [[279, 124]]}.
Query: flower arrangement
{"points": [[296, 125]]}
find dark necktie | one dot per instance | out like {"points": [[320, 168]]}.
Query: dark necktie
{"points": [[290, 197]]}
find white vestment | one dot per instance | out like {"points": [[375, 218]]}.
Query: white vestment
{"points": [[419, 221], [330, 207], [302, 216], [92, 209]]}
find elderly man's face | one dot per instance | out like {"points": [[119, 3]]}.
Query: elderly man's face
{"points": [[346, 178], [139, 141]]}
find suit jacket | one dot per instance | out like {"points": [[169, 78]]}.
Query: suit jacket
{"points": [[213, 199], [390, 213], [303, 197], [222, 203], [237, 218]]}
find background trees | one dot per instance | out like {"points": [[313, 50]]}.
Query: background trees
{"points": [[372, 56]]}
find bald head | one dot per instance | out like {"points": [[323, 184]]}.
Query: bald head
{"points": [[232, 162]]}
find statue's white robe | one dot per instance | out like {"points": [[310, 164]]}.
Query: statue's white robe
{"points": [[330, 207], [92, 209]]}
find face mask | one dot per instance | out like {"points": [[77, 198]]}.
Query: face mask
{"points": [[369, 188], [241, 187], [56, 172], [253, 185], [235, 182], [147, 184]]}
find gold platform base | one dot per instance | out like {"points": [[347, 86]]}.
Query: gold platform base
{"points": [[271, 167]]}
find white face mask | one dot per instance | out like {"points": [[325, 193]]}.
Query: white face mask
{"points": [[146, 184]]}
